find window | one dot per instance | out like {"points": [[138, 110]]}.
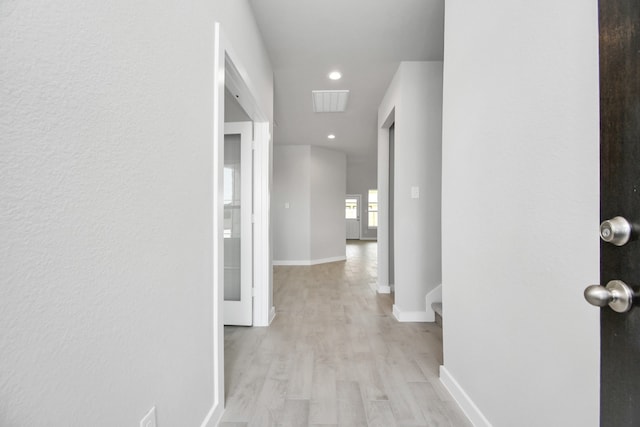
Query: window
{"points": [[372, 208]]}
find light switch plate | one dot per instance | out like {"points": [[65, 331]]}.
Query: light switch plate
{"points": [[415, 192], [149, 420]]}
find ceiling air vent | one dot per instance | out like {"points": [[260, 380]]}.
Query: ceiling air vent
{"points": [[329, 101]]}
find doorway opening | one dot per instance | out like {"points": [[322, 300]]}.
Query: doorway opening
{"points": [[385, 201], [231, 80]]}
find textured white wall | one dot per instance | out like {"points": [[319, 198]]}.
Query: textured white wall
{"points": [[520, 209], [291, 184], [313, 181], [362, 177], [328, 190], [416, 96], [233, 111], [106, 223]]}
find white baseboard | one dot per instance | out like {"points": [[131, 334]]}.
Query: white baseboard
{"points": [[287, 262], [326, 260], [435, 295], [368, 238], [213, 417], [463, 400], [272, 314], [310, 261], [383, 289], [410, 316]]}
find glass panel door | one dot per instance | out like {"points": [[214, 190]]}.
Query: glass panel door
{"points": [[351, 208], [352, 215], [232, 218], [238, 227]]}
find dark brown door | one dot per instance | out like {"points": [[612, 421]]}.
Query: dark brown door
{"points": [[620, 196]]}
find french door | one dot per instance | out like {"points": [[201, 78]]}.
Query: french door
{"points": [[352, 216], [238, 226]]}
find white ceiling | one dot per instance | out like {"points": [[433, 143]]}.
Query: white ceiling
{"points": [[363, 39]]}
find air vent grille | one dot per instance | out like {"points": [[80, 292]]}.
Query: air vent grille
{"points": [[329, 101]]}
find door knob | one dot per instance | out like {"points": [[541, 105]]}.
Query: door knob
{"points": [[616, 231], [617, 294]]}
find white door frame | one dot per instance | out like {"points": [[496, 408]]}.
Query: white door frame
{"points": [[385, 120], [229, 68]]}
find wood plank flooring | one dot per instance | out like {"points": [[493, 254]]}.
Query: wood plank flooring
{"points": [[335, 356]]}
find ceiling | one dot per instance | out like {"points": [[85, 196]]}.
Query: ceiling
{"points": [[363, 39]]}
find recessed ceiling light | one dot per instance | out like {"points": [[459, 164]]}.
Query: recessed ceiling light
{"points": [[335, 75], [331, 136]]}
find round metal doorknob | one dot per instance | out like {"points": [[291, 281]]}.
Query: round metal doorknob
{"points": [[617, 294], [598, 295], [616, 231]]}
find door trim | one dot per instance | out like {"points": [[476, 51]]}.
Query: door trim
{"points": [[385, 120], [238, 78]]}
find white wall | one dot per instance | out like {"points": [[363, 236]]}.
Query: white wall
{"points": [[106, 224], [328, 190], [415, 98], [312, 180], [520, 210], [291, 186], [233, 111], [362, 177]]}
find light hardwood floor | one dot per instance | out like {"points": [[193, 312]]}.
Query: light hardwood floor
{"points": [[335, 356]]}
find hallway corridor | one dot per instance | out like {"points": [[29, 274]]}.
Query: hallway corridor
{"points": [[335, 355]]}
